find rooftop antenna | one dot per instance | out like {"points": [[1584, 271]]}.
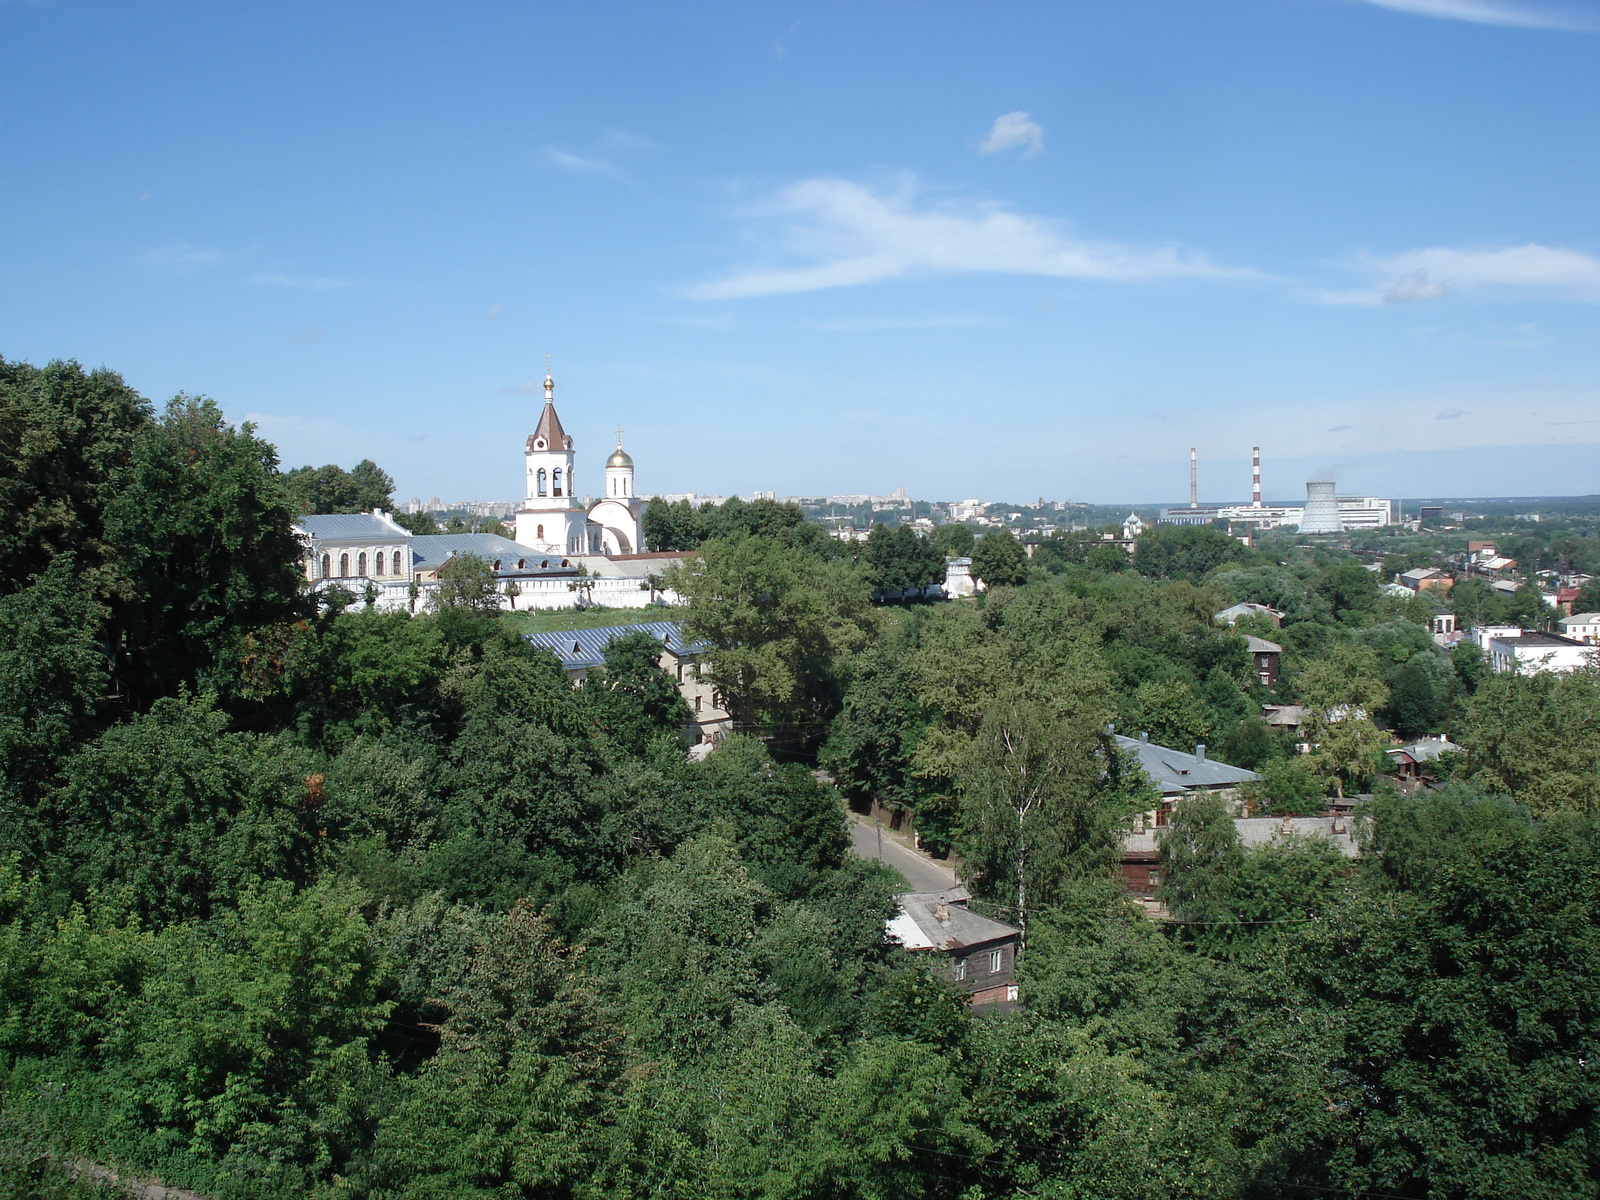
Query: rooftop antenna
{"points": [[1194, 481]]}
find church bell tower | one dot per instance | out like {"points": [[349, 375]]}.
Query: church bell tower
{"points": [[550, 518]]}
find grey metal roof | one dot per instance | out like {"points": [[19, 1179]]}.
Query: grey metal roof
{"points": [[1262, 646], [585, 649], [1427, 750], [918, 925], [1174, 771], [1244, 608], [431, 551], [350, 527]]}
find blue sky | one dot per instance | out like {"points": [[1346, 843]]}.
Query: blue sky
{"points": [[993, 250]]}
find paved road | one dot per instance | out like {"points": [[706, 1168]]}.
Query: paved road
{"points": [[924, 874]]}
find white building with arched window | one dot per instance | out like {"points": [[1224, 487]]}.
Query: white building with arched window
{"points": [[553, 519], [355, 547]]}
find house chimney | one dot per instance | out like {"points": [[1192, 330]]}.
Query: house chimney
{"points": [[1200, 752], [1194, 481], [942, 913], [1144, 736]]}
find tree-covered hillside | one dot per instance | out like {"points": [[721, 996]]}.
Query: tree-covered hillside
{"points": [[302, 900]]}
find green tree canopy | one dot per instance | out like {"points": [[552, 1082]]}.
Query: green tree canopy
{"points": [[779, 624], [1189, 551], [998, 560]]}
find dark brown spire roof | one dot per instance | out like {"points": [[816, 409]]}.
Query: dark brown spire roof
{"points": [[549, 428]]}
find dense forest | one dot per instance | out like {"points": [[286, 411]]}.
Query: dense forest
{"points": [[304, 899]]}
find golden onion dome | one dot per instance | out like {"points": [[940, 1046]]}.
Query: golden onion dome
{"points": [[619, 458]]}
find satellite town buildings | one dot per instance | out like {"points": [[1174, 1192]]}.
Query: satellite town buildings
{"points": [[1323, 511]]}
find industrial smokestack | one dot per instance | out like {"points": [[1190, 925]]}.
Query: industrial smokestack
{"points": [[1255, 476], [1194, 481]]}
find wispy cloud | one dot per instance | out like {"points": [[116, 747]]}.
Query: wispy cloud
{"points": [[181, 258], [531, 387], [1451, 414], [849, 234], [1416, 275], [1492, 12], [874, 324], [310, 283], [601, 160], [1011, 130]]}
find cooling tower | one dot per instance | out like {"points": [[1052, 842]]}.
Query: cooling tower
{"points": [[1322, 509]]}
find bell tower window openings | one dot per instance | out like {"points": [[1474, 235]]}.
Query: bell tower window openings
{"points": [[555, 479], [542, 482]]}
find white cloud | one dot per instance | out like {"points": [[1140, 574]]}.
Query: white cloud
{"points": [[599, 160], [1415, 275], [581, 164], [1412, 286], [1491, 12], [310, 283], [1014, 129], [180, 258], [1452, 414], [851, 234]]}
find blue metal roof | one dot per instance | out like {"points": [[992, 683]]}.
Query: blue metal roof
{"points": [[430, 551], [1174, 771], [351, 526], [585, 649]]}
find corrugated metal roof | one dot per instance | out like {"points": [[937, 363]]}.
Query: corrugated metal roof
{"points": [[1262, 646], [1175, 771], [918, 927], [430, 551], [585, 649], [341, 526]]}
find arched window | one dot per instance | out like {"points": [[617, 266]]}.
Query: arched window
{"points": [[361, 563], [555, 479], [378, 569], [327, 566], [541, 533], [542, 491], [522, 564], [496, 564], [344, 565]]}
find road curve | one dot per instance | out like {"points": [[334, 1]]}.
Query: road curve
{"points": [[924, 874]]}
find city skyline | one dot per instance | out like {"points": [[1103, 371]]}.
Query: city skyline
{"points": [[808, 249]]}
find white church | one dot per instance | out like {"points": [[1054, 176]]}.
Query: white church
{"points": [[564, 552], [552, 518]]}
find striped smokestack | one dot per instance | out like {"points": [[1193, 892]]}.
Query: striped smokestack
{"points": [[1255, 476], [1194, 481]]}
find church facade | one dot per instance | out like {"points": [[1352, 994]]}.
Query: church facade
{"points": [[553, 519]]}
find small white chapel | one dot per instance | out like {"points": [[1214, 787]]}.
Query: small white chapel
{"points": [[552, 518]]}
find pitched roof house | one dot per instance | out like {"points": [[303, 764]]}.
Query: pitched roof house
{"points": [[980, 953]]}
